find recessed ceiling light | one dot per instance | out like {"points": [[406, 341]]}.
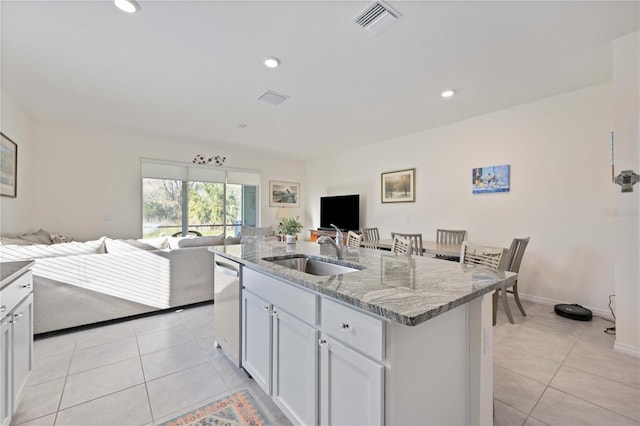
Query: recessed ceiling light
{"points": [[129, 6], [271, 62], [242, 125], [447, 93]]}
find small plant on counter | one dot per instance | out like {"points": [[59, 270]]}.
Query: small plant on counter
{"points": [[290, 226]]}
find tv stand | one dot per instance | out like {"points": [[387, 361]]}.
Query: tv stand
{"points": [[314, 234]]}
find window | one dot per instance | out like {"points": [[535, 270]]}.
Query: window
{"points": [[179, 198]]}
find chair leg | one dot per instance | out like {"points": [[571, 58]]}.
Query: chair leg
{"points": [[495, 306], [505, 304], [517, 298]]}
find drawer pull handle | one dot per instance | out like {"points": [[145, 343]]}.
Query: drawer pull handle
{"points": [[3, 308], [27, 285], [344, 326], [322, 342], [274, 312], [15, 320], [18, 315], [265, 307]]}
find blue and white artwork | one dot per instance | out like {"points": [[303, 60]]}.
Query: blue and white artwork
{"points": [[491, 179]]}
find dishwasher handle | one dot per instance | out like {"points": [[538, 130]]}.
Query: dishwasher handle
{"points": [[227, 269]]}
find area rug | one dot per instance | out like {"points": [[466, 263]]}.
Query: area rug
{"points": [[238, 409]]}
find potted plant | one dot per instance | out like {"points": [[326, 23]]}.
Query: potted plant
{"points": [[290, 226]]}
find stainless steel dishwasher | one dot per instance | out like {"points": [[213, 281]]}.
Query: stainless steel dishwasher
{"points": [[226, 307]]}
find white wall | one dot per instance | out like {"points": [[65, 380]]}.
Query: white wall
{"points": [[626, 90], [87, 174], [16, 213], [559, 152]]}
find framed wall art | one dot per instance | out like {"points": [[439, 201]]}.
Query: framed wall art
{"points": [[491, 179], [8, 167], [399, 186], [284, 194]]}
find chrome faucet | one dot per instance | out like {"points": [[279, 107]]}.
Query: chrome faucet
{"points": [[339, 237], [325, 239]]}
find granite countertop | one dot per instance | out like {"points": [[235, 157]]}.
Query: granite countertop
{"points": [[11, 270], [406, 290]]}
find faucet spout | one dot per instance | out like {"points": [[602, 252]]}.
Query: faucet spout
{"points": [[339, 236], [328, 240]]}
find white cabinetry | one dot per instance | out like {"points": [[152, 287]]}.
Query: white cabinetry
{"points": [[279, 343], [351, 386], [16, 342]]}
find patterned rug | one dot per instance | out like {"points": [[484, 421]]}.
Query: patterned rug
{"points": [[238, 409]]}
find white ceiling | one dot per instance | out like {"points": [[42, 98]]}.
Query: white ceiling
{"points": [[192, 70]]}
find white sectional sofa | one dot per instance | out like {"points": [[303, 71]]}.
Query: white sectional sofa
{"points": [[84, 283]]}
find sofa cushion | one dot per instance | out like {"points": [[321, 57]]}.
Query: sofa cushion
{"points": [[250, 234], [209, 240], [38, 251], [9, 241], [39, 237], [123, 246], [232, 240]]}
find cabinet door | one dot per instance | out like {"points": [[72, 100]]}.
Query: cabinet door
{"points": [[6, 390], [295, 361], [256, 339], [22, 344], [351, 386]]}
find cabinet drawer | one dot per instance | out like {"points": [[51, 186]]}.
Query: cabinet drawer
{"points": [[300, 303], [362, 332], [12, 294]]}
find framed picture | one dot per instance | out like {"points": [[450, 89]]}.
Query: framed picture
{"points": [[491, 179], [284, 194], [8, 167], [399, 186]]}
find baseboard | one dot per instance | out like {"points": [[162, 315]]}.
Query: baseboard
{"points": [[627, 349], [603, 313]]}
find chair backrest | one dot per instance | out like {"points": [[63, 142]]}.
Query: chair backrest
{"points": [[417, 242], [515, 254], [489, 257], [353, 239], [370, 234], [402, 245], [450, 236]]}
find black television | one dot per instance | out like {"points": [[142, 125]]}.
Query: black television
{"points": [[341, 210]]}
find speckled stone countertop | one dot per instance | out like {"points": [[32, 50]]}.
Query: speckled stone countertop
{"points": [[11, 270], [406, 290]]}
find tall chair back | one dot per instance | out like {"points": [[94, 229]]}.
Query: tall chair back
{"points": [[474, 255], [512, 264], [353, 239], [401, 245], [450, 236], [417, 242], [370, 234]]}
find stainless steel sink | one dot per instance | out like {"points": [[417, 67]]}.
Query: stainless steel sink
{"points": [[313, 266]]}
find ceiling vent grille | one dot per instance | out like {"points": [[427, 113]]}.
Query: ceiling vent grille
{"points": [[377, 17], [272, 97]]}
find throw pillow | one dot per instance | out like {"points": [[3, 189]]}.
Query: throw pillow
{"points": [[209, 240], [123, 246], [59, 238], [39, 237], [8, 241]]}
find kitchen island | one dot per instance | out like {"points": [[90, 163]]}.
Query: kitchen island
{"points": [[395, 341]]}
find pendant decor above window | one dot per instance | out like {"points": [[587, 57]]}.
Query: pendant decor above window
{"points": [[201, 159]]}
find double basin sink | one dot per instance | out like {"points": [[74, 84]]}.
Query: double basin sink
{"points": [[313, 265]]}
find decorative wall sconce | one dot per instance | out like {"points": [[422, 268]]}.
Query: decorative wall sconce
{"points": [[201, 159], [626, 179]]}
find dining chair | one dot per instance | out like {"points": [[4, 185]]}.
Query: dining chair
{"points": [[512, 262], [353, 239], [370, 234], [401, 245], [475, 255], [450, 236], [417, 242]]}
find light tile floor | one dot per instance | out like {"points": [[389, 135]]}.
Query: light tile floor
{"points": [[548, 370]]}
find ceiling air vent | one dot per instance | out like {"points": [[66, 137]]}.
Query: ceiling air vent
{"points": [[272, 97], [377, 17]]}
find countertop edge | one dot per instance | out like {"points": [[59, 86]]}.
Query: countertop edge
{"points": [[21, 267]]}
